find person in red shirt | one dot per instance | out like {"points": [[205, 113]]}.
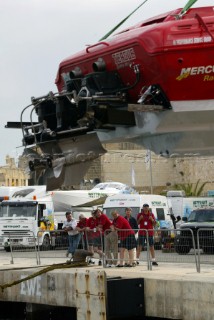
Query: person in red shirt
{"points": [[110, 238], [94, 237], [146, 221], [126, 236], [81, 227], [103, 222]]}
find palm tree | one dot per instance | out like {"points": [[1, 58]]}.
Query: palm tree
{"points": [[190, 189]]}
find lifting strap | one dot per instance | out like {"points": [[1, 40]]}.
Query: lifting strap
{"points": [[121, 22], [187, 6]]}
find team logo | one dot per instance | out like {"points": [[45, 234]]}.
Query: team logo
{"points": [[207, 71], [122, 57]]}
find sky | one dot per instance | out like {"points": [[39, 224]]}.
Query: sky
{"points": [[36, 35]]}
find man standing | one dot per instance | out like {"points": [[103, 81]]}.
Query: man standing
{"points": [[110, 238], [73, 235], [146, 220], [126, 236], [94, 237], [132, 221]]}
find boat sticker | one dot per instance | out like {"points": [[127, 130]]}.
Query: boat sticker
{"points": [[123, 58], [192, 40], [96, 195], [201, 70]]}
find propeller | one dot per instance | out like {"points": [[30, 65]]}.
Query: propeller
{"points": [[26, 162], [61, 162]]}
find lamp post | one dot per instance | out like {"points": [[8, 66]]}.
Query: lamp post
{"points": [[148, 160], [150, 169]]}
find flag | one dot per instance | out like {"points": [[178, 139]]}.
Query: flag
{"points": [[133, 176]]}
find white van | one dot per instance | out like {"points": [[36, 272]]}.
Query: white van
{"points": [[158, 204], [182, 206]]}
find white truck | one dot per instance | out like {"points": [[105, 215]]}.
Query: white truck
{"points": [[26, 220], [182, 206], [158, 204]]}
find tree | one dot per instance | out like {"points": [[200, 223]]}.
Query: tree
{"points": [[191, 189]]}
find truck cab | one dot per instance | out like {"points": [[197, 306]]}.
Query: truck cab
{"points": [[202, 219], [26, 223]]}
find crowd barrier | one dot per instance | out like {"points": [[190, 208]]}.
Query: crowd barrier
{"points": [[205, 243], [18, 245], [169, 247], [113, 248], [57, 245]]}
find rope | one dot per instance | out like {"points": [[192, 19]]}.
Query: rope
{"points": [[45, 270], [187, 6], [121, 22]]}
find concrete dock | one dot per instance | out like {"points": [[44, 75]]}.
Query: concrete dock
{"points": [[168, 291]]}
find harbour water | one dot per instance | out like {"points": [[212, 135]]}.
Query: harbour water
{"points": [[17, 311]]}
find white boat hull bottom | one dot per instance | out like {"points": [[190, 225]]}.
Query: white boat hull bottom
{"points": [[169, 133]]}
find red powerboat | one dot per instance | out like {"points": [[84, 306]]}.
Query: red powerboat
{"points": [[166, 60], [151, 84]]}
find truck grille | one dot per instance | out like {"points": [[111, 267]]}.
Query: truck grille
{"points": [[15, 233], [205, 236]]}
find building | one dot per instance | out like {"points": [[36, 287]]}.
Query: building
{"points": [[129, 163], [11, 175], [147, 172]]}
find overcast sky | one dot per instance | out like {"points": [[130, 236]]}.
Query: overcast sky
{"points": [[36, 35]]}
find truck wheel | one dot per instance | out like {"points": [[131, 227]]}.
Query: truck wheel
{"points": [[45, 244], [7, 249], [182, 250], [181, 246]]}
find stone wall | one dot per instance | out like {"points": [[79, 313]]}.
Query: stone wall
{"points": [[124, 159], [119, 164]]}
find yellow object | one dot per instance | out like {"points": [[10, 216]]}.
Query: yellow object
{"points": [[42, 226]]}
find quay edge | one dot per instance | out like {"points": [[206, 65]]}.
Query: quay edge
{"points": [[167, 292]]}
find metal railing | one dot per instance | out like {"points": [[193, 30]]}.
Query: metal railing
{"points": [[18, 246], [169, 247], [95, 243], [55, 245], [113, 248], [205, 246]]}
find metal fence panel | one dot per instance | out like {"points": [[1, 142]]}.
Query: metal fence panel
{"points": [[205, 246], [170, 246], [18, 245]]}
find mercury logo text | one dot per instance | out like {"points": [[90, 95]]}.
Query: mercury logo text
{"points": [[201, 70]]}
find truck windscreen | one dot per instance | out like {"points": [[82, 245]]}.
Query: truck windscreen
{"points": [[205, 215], [20, 209]]}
